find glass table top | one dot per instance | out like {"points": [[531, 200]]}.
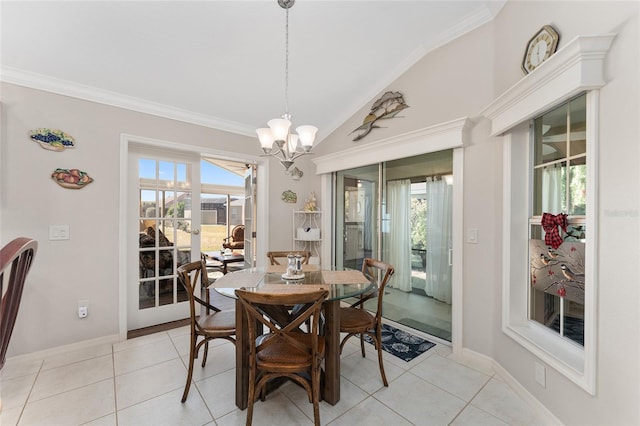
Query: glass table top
{"points": [[340, 282]]}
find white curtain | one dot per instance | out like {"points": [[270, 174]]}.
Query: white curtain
{"points": [[439, 243], [399, 245], [552, 190]]}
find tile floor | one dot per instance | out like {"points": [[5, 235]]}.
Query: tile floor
{"points": [[140, 382]]}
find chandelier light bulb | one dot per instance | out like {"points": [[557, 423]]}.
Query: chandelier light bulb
{"points": [[265, 137], [279, 128], [293, 142], [307, 135]]}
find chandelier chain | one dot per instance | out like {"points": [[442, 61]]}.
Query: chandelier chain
{"points": [[278, 140], [286, 65]]}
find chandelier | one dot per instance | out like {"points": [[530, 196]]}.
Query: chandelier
{"points": [[288, 145]]}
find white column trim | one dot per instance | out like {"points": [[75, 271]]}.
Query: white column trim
{"points": [[578, 67], [451, 134]]}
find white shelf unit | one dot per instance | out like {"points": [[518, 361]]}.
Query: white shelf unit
{"points": [[307, 234]]}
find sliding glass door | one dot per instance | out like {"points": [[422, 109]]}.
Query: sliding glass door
{"points": [[357, 215], [407, 224]]}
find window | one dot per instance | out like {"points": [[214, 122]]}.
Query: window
{"points": [[552, 90], [559, 172]]}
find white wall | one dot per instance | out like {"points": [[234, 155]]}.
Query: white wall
{"points": [[86, 266], [461, 79], [281, 228]]}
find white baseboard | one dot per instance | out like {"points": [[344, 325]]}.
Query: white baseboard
{"points": [[487, 364], [45, 353]]}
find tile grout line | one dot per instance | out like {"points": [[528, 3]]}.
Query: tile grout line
{"points": [[24, 406], [193, 382], [115, 389], [468, 403]]}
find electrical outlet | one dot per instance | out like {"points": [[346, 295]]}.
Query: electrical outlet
{"points": [[83, 311], [541, 378], [58, 232]]}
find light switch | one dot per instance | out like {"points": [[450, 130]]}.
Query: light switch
{"points": [[472, 236], [58, 232], [540, 374]]}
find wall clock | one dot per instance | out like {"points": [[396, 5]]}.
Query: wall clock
{"points": [[541, 46]]}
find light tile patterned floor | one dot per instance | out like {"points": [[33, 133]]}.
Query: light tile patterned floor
{"points": [[140, 382]]}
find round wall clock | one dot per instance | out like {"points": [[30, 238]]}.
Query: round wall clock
{"points": [[541, 46]]}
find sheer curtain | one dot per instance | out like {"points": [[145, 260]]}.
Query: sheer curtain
{"points": [[399, 246], [552, 178], [439, 244]]}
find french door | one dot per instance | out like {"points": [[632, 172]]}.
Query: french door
{"points": [[165, 210]]}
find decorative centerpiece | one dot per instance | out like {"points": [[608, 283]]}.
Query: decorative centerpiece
{"points": [[71, 178], [289, 196], [310, 204], [52, 139]]}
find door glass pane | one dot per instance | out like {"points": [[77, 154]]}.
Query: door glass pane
{"points": [[164, 237], [166, 174], [357, 230], [418, 241], [168, 203], [222, 205], [146, 169], [148, 204], [213, 222]]}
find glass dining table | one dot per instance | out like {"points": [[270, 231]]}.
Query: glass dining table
{"points": [[340, 283]]}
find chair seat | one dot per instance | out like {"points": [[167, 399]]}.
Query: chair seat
{"points": [[282, 352], [219, 322], [354, 319]]}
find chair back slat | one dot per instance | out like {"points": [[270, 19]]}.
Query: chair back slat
{"points": [[275, 257], [382, 272], [257, 308], [16, 258]]}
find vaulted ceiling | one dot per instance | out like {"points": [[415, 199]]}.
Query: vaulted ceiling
{"points": [[221, 63]]}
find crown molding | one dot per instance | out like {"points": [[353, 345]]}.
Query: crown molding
{"points": [[577, 67], [67, 88]]}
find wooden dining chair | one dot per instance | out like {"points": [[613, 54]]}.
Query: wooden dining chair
{"points": [[15, 259], [275, 257], [284, 350], [207, 321], [355, 320]]}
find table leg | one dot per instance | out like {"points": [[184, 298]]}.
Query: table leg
{"points": [[242, 358], [331, 390]]}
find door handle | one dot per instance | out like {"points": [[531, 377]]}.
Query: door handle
{"points": [[450, 257], [195, 231]]}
